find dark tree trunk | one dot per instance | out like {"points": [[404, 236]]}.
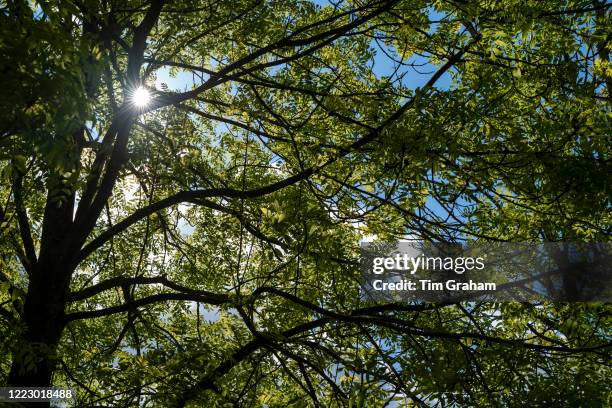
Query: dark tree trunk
{"points": [[43, 318], [43, 312]]}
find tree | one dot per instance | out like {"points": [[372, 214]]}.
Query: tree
{"points": [[200, 249]]}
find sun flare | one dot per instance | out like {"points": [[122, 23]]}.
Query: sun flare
{"points": [[141, 97]]}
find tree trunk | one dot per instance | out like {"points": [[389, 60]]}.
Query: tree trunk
{"points": [[43, 313], [43, 316]]}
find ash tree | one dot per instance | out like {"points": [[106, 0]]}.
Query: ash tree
{"points": [[185, 185]]}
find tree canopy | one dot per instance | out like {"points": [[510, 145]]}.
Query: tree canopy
{"points": [[201, 248]]}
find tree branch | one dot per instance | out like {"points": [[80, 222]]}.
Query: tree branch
{"points": [[204, 297], [140, 280], [208, 381], [24, 225]]}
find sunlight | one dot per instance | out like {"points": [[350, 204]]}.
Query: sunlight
{"points": [[141, 97]]}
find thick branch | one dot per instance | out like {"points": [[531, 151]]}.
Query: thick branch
{"points": [[140, 280], [211, 299], [24, 225], [195, 197], [136, 54]]}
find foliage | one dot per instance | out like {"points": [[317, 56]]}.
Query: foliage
{"points": [[201, 250]]}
